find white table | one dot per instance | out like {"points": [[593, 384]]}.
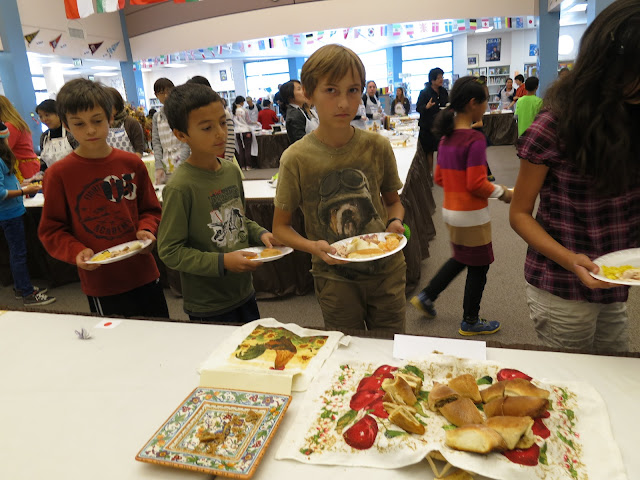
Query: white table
{"points": [[80, 409]]}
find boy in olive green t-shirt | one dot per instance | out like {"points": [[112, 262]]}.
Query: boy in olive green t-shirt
{"points": [[527, 107], [346, 182]]}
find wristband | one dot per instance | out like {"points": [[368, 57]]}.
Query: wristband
{"points": [[21, 192], [393, 220]]}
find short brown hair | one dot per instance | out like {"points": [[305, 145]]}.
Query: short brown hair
{"points": [[162, 85], [82, 95], [333, 61]]}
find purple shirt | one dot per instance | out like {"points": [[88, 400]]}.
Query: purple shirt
{"points": [[576, 217]]}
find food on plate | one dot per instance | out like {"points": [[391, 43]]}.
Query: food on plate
{"points": [[624, 272], [462, 412], [516, 431], [414, 381], [467, 387], [510, 374], [107, 254], [494, 391], [403, 417], [523, 388], [368, 246], [533, 407], [398, 391], [362, 434], [475, 438], [440, 395], [270, 252]]}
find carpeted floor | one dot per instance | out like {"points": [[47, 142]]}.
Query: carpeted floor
{"points": [[503, 299]]}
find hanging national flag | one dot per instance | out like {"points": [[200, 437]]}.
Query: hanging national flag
{"points": [[435, 27], [309, 37], [29, 38], [371, 32], [462, 25], [485, 23], [185, 1], [519, 22], [507, 22], [112, 49], [497, 22], [92, 46], [473, 24], [531, 21], [241, 47], [145, 2], [409, 29], [296, 40], [396, 29], [320, 35], [383, 31], [78, 8], [104, 6], [345, 32], [54, 43], [272, 43], [356, 32], [261, 45], [424, 28], [219, 49], [448, 26], [285, 41], [201, 50], [333, 32]]}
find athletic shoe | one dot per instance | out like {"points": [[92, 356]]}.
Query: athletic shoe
{"points": [[37, 298], [18, 293], [478, 327], [491, 178], [424, 304]]}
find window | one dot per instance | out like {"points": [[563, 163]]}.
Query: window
{"points": [[418, 60], [375, 64], [264, 77]]}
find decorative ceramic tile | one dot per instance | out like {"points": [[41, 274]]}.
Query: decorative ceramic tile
{"points": [[220, 432]]}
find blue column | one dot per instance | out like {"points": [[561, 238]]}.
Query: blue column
{"points": [[133, 84], [295, 65], [548, 34], [14, 66], [594, 7], [394, 59]]}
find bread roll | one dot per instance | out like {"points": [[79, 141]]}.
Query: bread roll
{"points": [[467, 387], [399, 391], [403, 418], [414, 381], [440, 395], [462, 412], [390, 407], [494, 391], [519, 387], [475, 438], [516, 431], [532, 407], [270, 252]]}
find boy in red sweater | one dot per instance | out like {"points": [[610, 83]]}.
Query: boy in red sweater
{"points": [[98, 197]]}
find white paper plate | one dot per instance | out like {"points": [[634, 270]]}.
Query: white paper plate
{"points": [[630, 256], [258, 250], [117, 248], [381, 237]]}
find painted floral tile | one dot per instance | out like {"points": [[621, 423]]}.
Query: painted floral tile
{"points": [[220, 432]]}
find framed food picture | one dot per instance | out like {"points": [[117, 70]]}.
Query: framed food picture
{"points": [[223, 75], [472, 60], [493, 49]]}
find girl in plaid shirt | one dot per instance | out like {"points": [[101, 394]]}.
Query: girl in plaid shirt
{"points": [[581, 156]]}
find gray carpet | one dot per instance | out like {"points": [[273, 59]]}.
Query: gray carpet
{"points": [[503, 300]]}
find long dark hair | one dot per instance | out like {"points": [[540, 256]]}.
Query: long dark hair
{"points": [[7, 156], [595, 126], [238, 101], [286, 91], [465, 89]]}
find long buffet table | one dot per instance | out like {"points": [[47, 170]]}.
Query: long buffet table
{"points": [[77, 409], [284, 277]]}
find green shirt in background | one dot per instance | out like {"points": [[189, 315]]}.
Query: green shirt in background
{"points": [[203, 217], [527, 108]]}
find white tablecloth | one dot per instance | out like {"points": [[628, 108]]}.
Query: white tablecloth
{"points": [[78, 409]]}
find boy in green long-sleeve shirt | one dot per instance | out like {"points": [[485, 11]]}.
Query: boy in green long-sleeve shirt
{"points": [[203, 225], [527, 107]]}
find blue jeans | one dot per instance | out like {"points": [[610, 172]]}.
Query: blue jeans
{"points": [[14, 233], [245, 313]]}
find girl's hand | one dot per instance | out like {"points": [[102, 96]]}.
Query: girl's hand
{"points": [[146, 235], [239, 262], [31, 189], [321, 248], [582, 265], [82, 257], [430, 104], [506, 196], [269, 240], [396, 227]]}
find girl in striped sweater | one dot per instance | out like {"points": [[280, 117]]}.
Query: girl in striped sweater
{"points": [[462, 173]]}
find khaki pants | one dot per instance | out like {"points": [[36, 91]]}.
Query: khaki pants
{"points": [[573, 324], [376, 303]]}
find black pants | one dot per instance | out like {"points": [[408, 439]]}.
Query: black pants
{"points": [[244, 149], [245, 313], [476, 280], [145, 301]]}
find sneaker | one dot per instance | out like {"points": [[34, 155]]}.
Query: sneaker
{"points": [[18, 293], [424, 304], [479, 327], [491, 178], [38, 298]]}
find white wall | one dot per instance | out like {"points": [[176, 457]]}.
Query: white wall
{"points": [[575, 32], [477, 45], [460, 55]]}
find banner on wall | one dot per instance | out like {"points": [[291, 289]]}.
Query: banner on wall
{"points": [[93, 47], [106, 6], [145, 2], [29, 37], [493, 49], [78, 8], [54, 43], [112, 49]]}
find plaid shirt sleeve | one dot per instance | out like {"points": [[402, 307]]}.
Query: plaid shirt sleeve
{"points": [[539, 143]]}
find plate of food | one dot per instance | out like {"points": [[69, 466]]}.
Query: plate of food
{"points": [[621, 267], [119, 252], [265, 254], [217, 431], [365, 248]]}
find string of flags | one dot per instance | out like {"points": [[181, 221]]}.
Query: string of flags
{"points": [[75, 9]]}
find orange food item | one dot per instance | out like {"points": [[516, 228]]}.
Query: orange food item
{"points": [[270, 252]]}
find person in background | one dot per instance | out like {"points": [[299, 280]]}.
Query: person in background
{"points": [[152, 112], [20, 141], [244, 133], [563, 71], [505, 96], [56, 143], [300, 119], [528, 106], [277, 102], [521, 91], [580, 159], [125, 132], [252, 110], [400, 105], [169, 152], [371, 101], [11, 212], [99, 197], [267, 116], [462, 173], [431, 99]]}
